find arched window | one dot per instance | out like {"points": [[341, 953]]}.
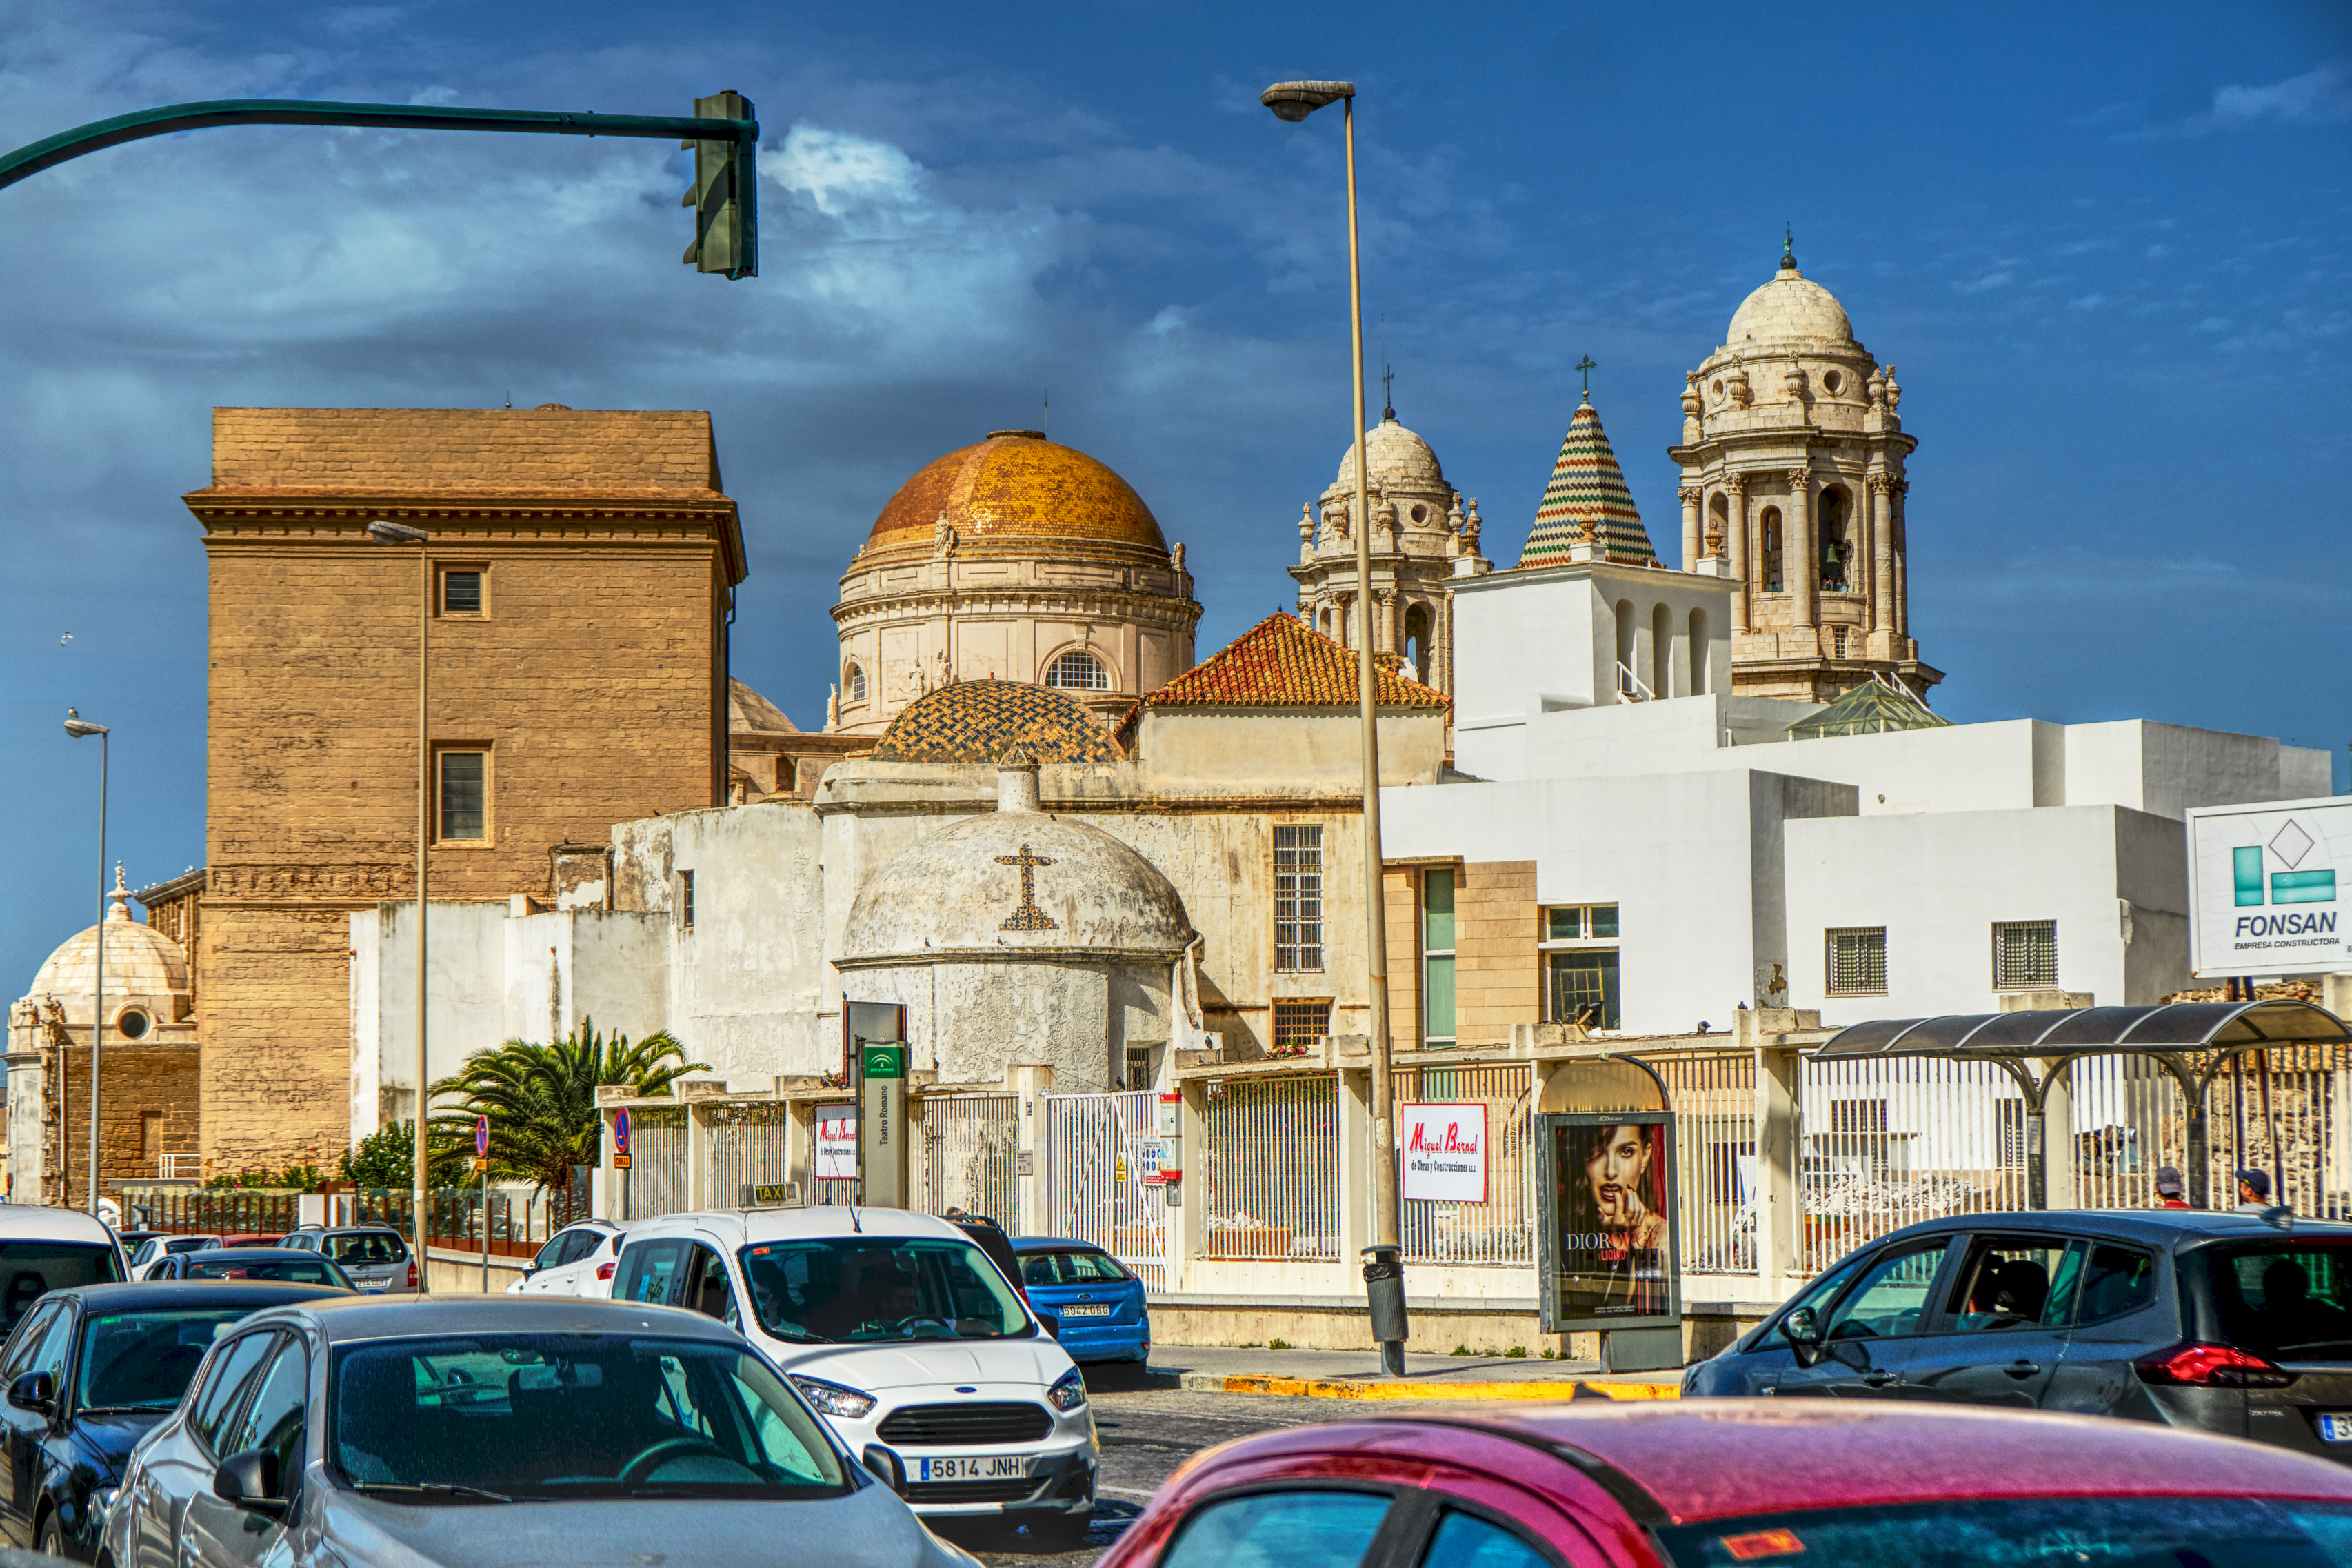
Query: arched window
{"points": [[852, 683], [1416, 641], [1835, 551], [1698, 653], [1077, 670], [1718, 513], [1662, 652], [1772, 550], [1626, 690]]}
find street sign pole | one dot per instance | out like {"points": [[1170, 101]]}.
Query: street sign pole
{"points": [[621, 1156], [482, 1165]]}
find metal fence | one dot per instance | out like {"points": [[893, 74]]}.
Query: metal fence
{"points": [[1094, 1184], [1502, 1229], [1270, 1176], [1713, 1098], [1885, 1143], [655, 1182], [747, 1150], [968, 1155]]}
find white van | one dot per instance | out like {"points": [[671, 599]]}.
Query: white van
{"points": [[897, 1328], [44, 1250]]}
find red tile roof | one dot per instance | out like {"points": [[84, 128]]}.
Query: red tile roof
{"points": [[1282, 662]]}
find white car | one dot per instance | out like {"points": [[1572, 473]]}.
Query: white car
{"points": [[577, 1260], [903, 1335], [44, 1250], [156, 1248]]}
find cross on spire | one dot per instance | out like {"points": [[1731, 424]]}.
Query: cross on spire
{"points": [[1028, 917], [1388, 376], [1586, 366], [1789, 247]]}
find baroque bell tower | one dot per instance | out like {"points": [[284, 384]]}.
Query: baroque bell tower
{"points": [[1792, 465]]}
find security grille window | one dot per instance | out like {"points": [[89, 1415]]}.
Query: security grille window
{"points": [[1857, 961], [1138, 1067], [1077, 670], [686, 900], [1299, 899], [2025, 956], [1297, 1024], [1437, 958], [461, 592], [465, 796], [1837, 640]]}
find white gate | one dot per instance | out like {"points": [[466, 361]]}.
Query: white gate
{"points": [[1094, 1187], [968, 1155]]}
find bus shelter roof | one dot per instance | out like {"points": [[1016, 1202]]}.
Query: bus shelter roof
{"points": [[2093, 1031]]}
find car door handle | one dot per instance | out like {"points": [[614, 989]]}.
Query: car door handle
{"points": [[1880, 1379], [2021, 1368]]}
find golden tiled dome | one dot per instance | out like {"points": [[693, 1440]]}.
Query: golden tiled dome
{"points": [[1016, 485], [979, 720]]}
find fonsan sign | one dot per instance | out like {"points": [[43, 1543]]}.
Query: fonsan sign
{"points": [[2264, 883]]}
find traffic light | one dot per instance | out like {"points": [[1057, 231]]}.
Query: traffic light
{"points": [[725, 194]]}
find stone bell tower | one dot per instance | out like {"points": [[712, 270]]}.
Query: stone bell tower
{"points": [[1793, 458]]}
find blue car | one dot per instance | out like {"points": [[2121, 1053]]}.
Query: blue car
{"points": [[1096, 1305]]}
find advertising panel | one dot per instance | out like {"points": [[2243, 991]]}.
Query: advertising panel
{"points": [[1444, 1150], [1608, 1251], [837, 1142], [2264, 882]]}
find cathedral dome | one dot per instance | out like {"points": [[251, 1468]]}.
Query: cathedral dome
{"points": [[1015, 881], [979, 720], [1016, 485], [1791, 306], [143, 967], [1395, 458]]}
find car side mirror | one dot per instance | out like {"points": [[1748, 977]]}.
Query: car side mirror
{"points": [[249, 1480], [35, 1391], [884, 1465], [1802, 1327], [1053, 1327]]}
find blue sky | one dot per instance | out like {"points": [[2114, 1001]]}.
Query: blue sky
{"points": [[2105, 245]]}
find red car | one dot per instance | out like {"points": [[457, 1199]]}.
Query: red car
{"points": [[258, 1238], [1816, 1483]]}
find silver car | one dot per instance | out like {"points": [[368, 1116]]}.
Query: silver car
{"points": [[494, 1432], [374, 1256]]}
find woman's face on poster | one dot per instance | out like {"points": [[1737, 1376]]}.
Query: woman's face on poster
{"points": [[1618, 1172]]}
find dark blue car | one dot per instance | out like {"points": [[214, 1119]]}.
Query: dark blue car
{"points": [[1095, 1304]]}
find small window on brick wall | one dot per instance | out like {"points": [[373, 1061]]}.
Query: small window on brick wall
{"points": [[461, 591], [465, 796], [1857, 961], [1297, 1024]]}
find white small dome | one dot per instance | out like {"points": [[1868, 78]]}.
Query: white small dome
{"points": [[1397, 459], [1789, 308], [959, 891], [144, 966]]}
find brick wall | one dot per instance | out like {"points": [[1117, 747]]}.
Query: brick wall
{"points": [[1497, 982], [137, 1082], [1401, 902]]}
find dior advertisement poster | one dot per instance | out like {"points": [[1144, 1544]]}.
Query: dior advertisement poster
{"points": [[1609, 1226]]}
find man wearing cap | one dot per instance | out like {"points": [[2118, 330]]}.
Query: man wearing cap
{"points": [[2254, 1191], [2170, 1194]]}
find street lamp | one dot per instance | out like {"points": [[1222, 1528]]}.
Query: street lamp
{"points": [[1383, 1266], [383, 533], [79, 727]]}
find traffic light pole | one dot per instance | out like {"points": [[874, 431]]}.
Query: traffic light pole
{"points": [[741, 137]]}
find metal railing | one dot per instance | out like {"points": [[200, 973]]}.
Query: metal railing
{"points": [[1094, 1185], [1270, 1176], [1713, 1098], [1502, 1229], [968, 1155], [748, 1149], [656, 1180], [1885, 1143], [180, 1168]]}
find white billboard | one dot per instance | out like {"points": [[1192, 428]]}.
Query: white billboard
{"points": [[1444, 1149], [837, 1142], [2264, 882]]}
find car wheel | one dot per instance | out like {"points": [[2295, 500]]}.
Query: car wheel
{"points": [[45, 1538]]}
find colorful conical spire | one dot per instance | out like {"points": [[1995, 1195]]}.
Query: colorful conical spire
{"points": [[1587, 485]]}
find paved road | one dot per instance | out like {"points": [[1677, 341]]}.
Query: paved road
{"points": [[1147, 1428]]}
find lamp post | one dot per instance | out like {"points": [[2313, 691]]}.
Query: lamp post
{"points": [[1384, 1267], [383, 533], [77, 727]]}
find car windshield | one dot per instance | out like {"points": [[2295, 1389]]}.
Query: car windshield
{"points": [[862, 1288], [367, 1250], [2117, 1533], [494, 1417], [34, 1268], [142, 1360], [2289, 1300], [295, 1268], [191, 1243]]}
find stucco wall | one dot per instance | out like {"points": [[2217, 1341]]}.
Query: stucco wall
{"points": [[1180, 746]]}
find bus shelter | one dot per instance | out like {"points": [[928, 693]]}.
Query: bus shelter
{"points": [[2194, 1042]]}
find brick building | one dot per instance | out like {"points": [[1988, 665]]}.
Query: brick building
{"points": [[574, 592]]}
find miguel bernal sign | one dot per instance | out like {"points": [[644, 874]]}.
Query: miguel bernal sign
{"points": [[1444, 1150]]}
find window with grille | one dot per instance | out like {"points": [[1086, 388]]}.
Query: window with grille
{"points": [[1857, 961], [1299, 899], [853, 682], [1584, 988], [1437, 957], [1077, 670], [461, 591], [1297, 1024], [2025, 956], [465, 795], [686, 900], [1837, 642]]}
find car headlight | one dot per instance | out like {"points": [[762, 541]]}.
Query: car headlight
{"points": [[832, 1399], [1069, 1392], [106, 1499]]}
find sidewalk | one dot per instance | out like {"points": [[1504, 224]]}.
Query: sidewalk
{"points": [[1356, 1375]]}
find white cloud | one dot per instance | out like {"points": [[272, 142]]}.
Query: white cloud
{"points": [[2321, 96]]}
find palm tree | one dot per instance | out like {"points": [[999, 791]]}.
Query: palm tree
{"points": [[540, 1101]]}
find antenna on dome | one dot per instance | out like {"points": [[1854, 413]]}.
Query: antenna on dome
{"points": [[1046, 420], [1388, 378]]}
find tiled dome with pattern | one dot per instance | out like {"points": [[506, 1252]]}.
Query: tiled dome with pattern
{"points": [[1016, 485], [979, 720]]}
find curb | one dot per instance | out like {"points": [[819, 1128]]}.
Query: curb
{"points": [[1551, 1389]]}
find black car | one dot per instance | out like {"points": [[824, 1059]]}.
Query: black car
{"points": [[295, 1268], [86, 1374], [2223, 1322]]}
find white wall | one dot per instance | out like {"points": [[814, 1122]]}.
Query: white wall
{"points": [[1937, 882], [465, 1000], [1522, 638]]}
